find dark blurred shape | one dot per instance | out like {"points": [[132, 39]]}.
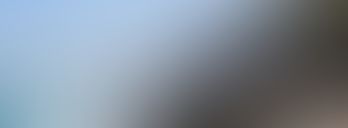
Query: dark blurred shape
{"points": [[293, 63]]}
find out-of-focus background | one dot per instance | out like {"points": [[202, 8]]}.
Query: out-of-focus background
{"points": [[103, 63]]}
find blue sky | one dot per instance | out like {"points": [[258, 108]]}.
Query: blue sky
{"points": [[47, 47]]}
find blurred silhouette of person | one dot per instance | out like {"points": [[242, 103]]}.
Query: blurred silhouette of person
{"points": [[295, 76]]}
